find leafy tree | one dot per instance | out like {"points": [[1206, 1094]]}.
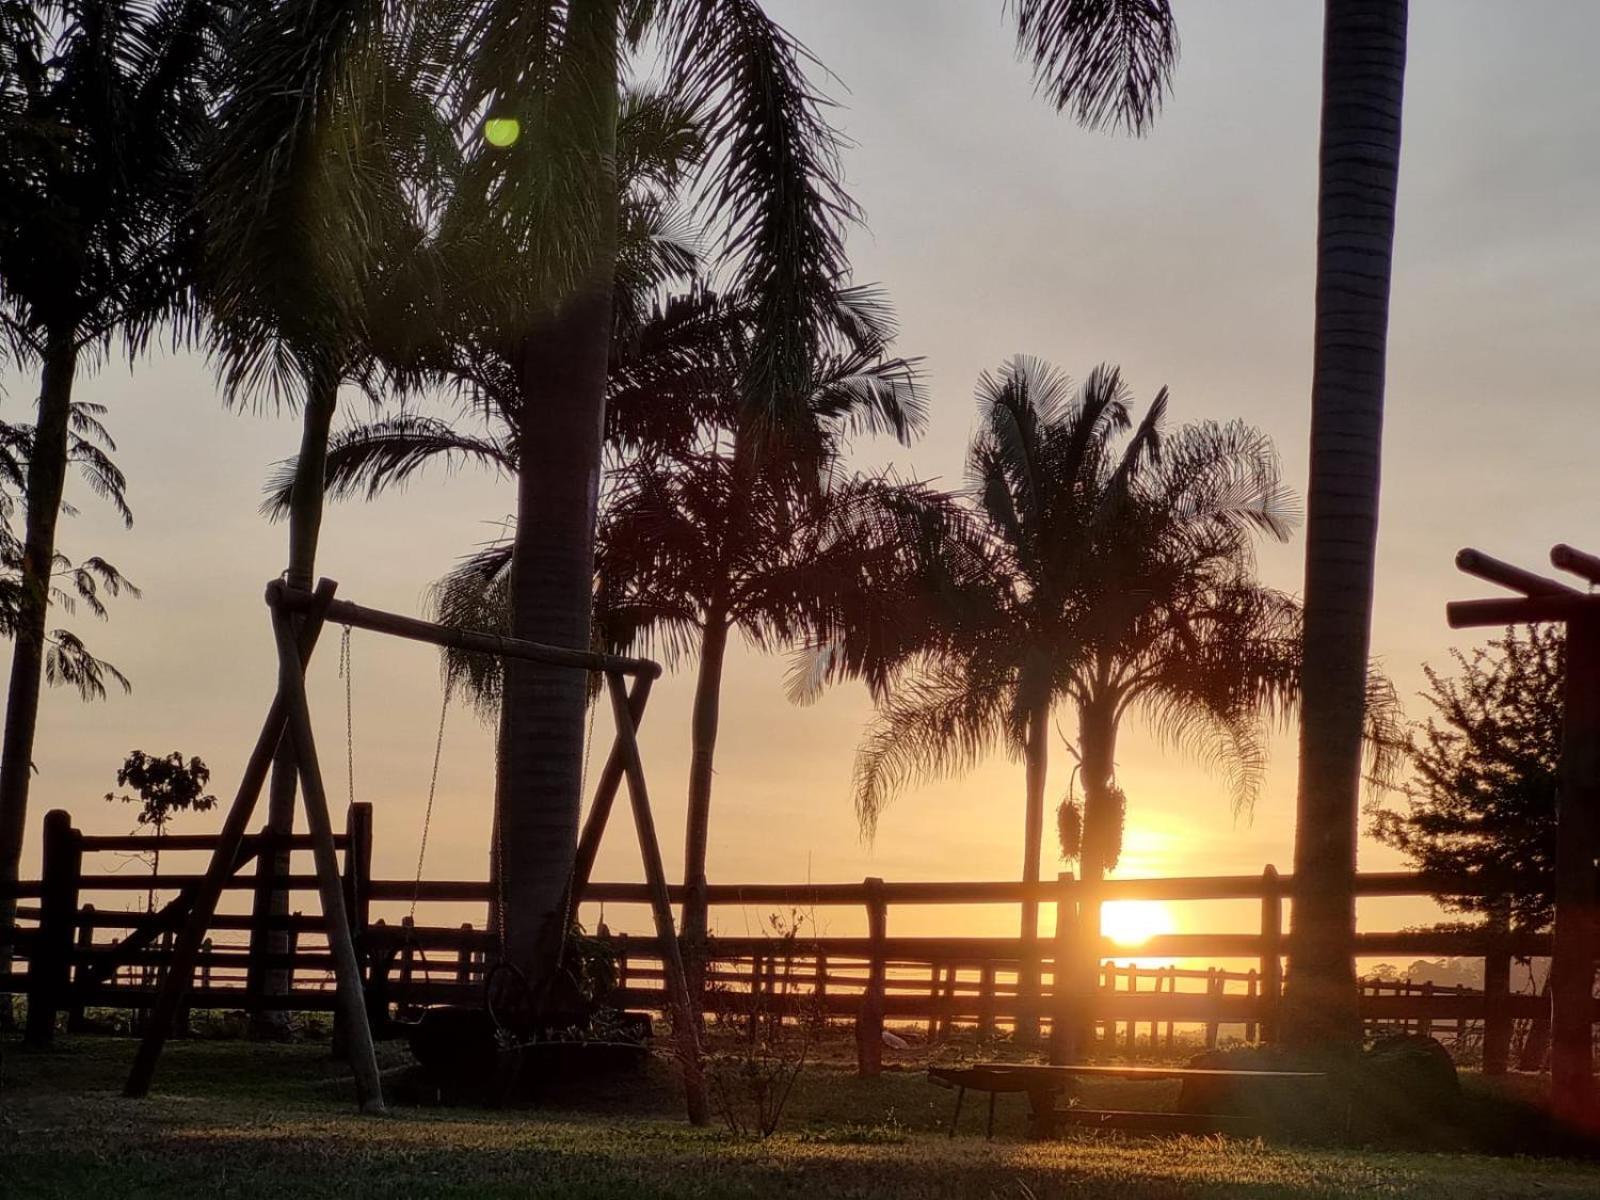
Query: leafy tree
{"points": [[102, 105], [1480, 799], [163, 786]]}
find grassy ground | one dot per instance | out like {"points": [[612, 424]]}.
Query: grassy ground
{"points": [[230, 1119]]}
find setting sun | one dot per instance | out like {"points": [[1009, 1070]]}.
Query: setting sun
{"points": [[1134, 922]]}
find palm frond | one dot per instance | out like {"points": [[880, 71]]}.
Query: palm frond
{"points": [[1108, 61]]}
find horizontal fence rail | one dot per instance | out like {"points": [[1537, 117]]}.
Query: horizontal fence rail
{"points": [[77, 957]]}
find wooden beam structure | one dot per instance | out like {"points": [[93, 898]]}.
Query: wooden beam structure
{"points": [[1577, 907], [290, 715]]}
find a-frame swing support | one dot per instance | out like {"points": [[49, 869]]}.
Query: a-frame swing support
{"points": [[1577, 908], [290, 714]]}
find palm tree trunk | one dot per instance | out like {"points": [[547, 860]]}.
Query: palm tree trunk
{"points": [[1037, 754], [703, 736], [1102, 822], [1364, 57], [47, 472], [305, 529], [560, 428]]}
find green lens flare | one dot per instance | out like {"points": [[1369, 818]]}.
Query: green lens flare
{"points": [[501, 131]]}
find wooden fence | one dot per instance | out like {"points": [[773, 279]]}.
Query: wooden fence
{"points": [[80, 956]]}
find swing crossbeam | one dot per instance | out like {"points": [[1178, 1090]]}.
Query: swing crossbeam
{"points": [[376, 620], [290, 716]]}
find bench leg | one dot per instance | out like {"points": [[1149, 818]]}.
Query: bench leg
{"points": [[961, 1094]]}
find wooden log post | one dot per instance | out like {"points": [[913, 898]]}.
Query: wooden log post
{"points": [[50, 964], [685, 1021], [1271, 952], [80, 971], [260, 980], [1572, 1087], [349, 994], [869, 1019], [356, 879], [1425, 1013], [935, 976], [464, 955], [1067, 1015], [1497, 994], [180, 973]]}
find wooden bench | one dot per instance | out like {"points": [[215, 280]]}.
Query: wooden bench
{"points": [[1042, 1084]]}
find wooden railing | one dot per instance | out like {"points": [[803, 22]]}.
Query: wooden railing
{"points": [[941, 982]]}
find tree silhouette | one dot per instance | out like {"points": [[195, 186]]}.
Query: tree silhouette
{"points": [[102, 105], [1363, 73], [1098, 564], [163, 787], [1480, 799]]}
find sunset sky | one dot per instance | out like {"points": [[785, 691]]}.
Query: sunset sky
{"points": [[997, 227]]}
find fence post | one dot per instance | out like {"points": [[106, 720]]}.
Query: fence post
{"points": [[1172, 990], [935, 975], [1497, 995], [1066, 1015], [1271, 952], [80, 974], [986, 999], [1252, 988], [1132, 1032], [1216, 985], [464, 955], [50, 965], [358, 867], [869, 1020], [1425, 1021], [1108, 993]]}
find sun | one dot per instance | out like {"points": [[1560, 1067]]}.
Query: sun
{"points": [[1134, 922]]}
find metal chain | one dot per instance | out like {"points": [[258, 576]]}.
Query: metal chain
{"points": [[346, 673], [433, 787]]}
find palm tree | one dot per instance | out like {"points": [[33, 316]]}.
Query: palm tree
{"points": [[724, 532], [707, 530], [101, 108], [1364, 52], [325, 150], [1110, 573], [67, 660], [546, 73]]}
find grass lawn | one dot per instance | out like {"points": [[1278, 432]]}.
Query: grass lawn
{"points": [[232, 1119]]}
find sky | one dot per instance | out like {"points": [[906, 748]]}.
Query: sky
{"points": [[998, 228]]}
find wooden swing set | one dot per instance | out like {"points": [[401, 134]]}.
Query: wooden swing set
{"points": [[1577, 914], [298, 619]]}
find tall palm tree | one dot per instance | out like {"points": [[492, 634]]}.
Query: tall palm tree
{"points": [[1364, 54], [325, 150], [102, 105], [547, 74], [722, 532], [707, 529], [1085, 567]]}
